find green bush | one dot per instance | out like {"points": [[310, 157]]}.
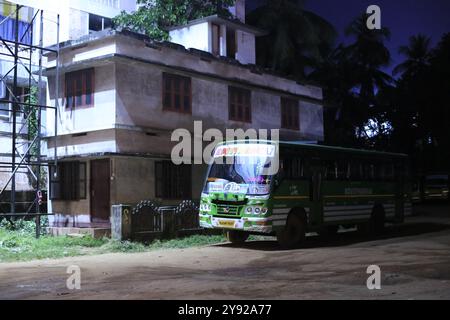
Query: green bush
{"points": [[24, 226]]}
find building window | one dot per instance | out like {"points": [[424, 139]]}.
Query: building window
{"points": [[239, 104], [177, 93], [79, 88], [98, 23], [289, 114], [70, 181], [172, 181]]}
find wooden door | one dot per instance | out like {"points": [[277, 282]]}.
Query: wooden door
{"points": [[99, 190]]}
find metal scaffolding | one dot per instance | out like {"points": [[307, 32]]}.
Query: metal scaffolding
{"points": [[25, 93]]}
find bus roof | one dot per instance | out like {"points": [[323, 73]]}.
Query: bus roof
{"points": [[310, 146]]}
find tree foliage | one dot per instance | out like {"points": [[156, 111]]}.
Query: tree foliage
{"points": [[421, 107], [154, 16], [294, 37]]}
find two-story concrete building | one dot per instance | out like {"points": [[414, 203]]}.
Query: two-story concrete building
{"points": [[76, 19], [123, 94]]}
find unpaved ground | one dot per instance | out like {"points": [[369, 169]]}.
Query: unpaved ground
{"points": [[414, 259]]}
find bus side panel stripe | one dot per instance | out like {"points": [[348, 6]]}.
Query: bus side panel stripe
{"points": [[359, 217], [347, 213]]}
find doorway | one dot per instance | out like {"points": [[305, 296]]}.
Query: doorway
{"points": [[100, 191]]}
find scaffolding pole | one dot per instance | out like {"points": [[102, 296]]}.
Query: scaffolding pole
{"points": [[31, 160]]}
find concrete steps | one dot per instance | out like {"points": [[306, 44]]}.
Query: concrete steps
{"points": [[71, 231]]}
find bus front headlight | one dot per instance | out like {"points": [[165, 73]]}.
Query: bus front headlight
{"points": [[256, 210], [205, 207]]}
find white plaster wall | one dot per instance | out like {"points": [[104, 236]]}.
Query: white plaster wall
{"points": [[196, 36], [95, 49], [199, 36], [238, 10], [100, 116], [311, 121], [79, 24], [223, 40], [92, 143], [245, 48]]}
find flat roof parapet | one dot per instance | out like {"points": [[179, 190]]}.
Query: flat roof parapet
{"points": [[155, 44]]}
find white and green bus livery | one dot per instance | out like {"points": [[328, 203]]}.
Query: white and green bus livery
{"points": [[313, 189]]}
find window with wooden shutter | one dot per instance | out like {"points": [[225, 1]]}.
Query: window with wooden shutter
{"points": [[177, 93], [239, 104], [79, 88], [172, 181], [290, 114], [70, 181]]}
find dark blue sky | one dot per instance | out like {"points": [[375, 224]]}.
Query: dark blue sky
{"points": [[403, 17]]}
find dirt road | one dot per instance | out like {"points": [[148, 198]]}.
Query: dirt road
{"points": [[414, 259]]}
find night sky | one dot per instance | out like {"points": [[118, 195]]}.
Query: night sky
{"points": [[403, 17]]}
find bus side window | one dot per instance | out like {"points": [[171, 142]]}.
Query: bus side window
{"points": [[379, 171], [342, 170], [389, 171], [281, 169], [386, 171], [369, 171], [331, 170], [355, 170], [294, 168], [287, 168]]}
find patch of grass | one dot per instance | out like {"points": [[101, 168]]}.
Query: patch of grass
{"points": [[21, 245]]}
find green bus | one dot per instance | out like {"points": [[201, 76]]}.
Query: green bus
{"points": [[314, 189]]}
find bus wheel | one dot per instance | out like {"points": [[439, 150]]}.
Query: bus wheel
{"points": [[377, 221], [293, 233], [237, 237]]}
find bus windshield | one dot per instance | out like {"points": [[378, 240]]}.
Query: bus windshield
{"points": [[241, 173]]}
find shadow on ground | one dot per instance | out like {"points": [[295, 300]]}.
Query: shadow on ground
{"points": [[347, 238]]}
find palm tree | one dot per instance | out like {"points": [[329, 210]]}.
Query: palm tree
{"points": [[294, 36], [417, 53], [369, 55]]}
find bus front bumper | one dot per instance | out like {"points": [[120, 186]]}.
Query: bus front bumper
{"points": [[260, 225]]}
